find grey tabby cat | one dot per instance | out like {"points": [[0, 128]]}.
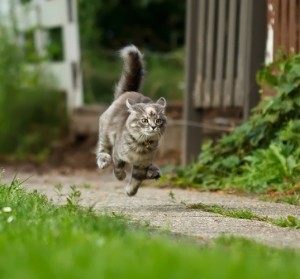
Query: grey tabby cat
{"points": [[130, 129]]}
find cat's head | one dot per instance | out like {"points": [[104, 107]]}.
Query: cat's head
{"points": [[148, 119]]}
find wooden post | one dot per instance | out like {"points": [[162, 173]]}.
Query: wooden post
{"points": [[256, 51], [191, 135], [243, 30]]}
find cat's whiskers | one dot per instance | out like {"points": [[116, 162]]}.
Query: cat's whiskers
{"points": [[160, 139]]}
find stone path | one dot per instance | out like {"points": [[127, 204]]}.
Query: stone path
{"points": [[157, 208]]}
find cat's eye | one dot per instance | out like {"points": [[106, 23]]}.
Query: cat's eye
{"points": [[158, 121], [144, 120]]}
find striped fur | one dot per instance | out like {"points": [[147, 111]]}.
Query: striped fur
{"points": [[130, 129], [133, 71]]}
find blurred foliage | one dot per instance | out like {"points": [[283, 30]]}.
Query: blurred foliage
{"points": [[29, 124], [164, 75], [54, 47], [156, 25], [33, 113], [263, 154]]}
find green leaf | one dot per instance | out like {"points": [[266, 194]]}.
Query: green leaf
{"points": [[293, 74], [287, 105], [286, 88], [277, 152], [291, 163], [231, 162], [272, 118], [291, 219], [297, 101]]}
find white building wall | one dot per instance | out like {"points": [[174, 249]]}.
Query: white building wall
{"points": [[49, 14]]}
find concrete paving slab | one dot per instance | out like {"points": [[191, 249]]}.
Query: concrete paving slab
{"points": [[155, 207]]}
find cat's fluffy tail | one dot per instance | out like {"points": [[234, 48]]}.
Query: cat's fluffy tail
{"points": [[133, 71]]}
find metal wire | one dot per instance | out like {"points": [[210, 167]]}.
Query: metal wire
{"points": [[202, 125]]}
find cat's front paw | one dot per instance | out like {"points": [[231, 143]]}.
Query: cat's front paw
{"points": [[153, 173], [103, 160]]}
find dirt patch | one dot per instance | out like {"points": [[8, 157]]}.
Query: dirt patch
{"points": [[77, 152]]}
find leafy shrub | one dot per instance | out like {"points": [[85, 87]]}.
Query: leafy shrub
{"points": [[32, 111], [264, 152]]}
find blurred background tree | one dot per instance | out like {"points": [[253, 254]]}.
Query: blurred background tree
{"points": [[30, 127], [155, 26]]}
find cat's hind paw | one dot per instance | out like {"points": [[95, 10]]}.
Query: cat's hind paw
{"points": [[103, 160], [120, 174], [153, 173]]}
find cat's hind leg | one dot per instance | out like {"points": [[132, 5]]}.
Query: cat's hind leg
{"points": [[138, 174], [153, 172], [133, 186], [119, 169]]}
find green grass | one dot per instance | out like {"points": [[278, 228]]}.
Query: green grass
{"points": [[289, 221], [42, 240], [290, 198], [228, 212]]}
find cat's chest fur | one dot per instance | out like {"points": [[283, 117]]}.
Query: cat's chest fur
{"points": [[130, 149]]}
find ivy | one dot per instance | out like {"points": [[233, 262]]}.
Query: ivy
{"points": [[262, 154]]}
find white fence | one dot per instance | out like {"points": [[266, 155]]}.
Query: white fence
{"points": [[222, 52], [42, 16], [225, 46]]}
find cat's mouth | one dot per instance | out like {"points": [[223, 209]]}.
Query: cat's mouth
{"points": [[152, 134]]}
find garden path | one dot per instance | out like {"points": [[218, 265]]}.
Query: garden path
{"points": [[166, 208]]}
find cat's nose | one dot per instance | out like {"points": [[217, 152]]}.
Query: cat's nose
{"points": [[153, 127]]}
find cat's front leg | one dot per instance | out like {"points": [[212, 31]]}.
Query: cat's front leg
{"points": [[103, 152], [103, 160]]}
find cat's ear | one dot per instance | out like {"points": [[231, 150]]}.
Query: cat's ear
{"points": [[129, 104], [162, 101], [133, 106]]}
